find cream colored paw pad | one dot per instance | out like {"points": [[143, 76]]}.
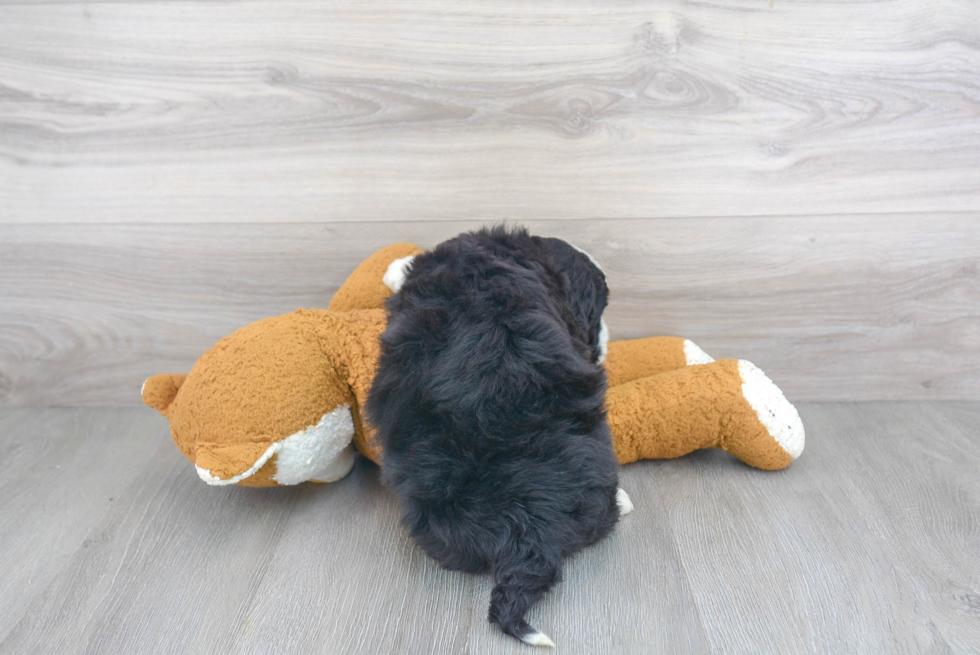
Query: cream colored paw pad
{"points": [[776, 414]]}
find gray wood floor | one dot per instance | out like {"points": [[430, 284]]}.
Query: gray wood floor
{"points": [[869, 543]]}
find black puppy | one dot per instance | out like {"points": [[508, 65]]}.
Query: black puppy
{"points": [[488, 404]]}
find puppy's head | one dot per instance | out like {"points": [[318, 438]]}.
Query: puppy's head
{"points": [[588, 293]]}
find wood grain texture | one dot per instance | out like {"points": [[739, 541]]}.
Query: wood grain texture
{"points": [[63, 470], [627, 594], [436, 110], [345, 555], [867, 543], [883, 307], [155, 567]]}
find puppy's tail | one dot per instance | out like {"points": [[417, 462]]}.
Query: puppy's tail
{"points": [[524, 570]]}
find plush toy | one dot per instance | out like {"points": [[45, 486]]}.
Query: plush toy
{"points": [[280, 401]]}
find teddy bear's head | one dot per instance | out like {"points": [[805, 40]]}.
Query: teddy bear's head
{"points": [[265, 406]]}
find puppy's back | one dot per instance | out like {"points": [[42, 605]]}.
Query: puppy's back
{"points": [[490, 417]]}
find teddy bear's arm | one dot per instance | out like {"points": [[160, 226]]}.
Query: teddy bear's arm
{"points": [[638, 358], [728, 404], [364, 288]]}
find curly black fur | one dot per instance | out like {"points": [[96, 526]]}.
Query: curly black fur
{"points": [[488, 403]]}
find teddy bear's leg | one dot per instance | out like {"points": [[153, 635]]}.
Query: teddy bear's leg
{"points": [[728, 404], [364, 289], [637, 358]]}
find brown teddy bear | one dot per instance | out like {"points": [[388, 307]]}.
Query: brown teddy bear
{"points": [[280, 401]]}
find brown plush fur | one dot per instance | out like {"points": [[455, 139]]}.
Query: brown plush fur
{"points": [[280, 375]]}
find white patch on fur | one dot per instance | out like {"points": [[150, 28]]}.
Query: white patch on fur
{"points": [[538, 639], [775, 412], [695, 355], [603, 341], [591, 258], [604, 330], [624, 502], [394, 277], [320, 452]]}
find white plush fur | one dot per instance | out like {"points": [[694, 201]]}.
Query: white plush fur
{"points": [[776, 413], [695, 355], [394, 277], [319, 452], [338, 468], [313, 452]]}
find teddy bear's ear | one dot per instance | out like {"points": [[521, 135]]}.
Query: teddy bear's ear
{"points": [[160, 390], [364, 288]]}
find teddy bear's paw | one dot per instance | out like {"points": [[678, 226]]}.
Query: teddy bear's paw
{"points": [[320, 452], [774, 411], [624, 502], [394, 277], [694, 355], [337, 468]]}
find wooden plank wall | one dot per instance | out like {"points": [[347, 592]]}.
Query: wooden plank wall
{"points": [[796, 183]]}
